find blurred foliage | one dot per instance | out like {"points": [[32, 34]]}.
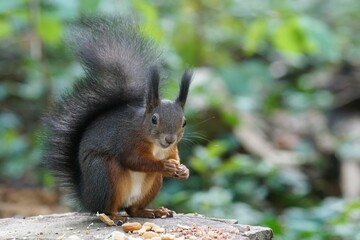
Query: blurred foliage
{"points": [[258, 57]]}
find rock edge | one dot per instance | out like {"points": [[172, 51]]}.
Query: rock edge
{"points": [[87, 226]]}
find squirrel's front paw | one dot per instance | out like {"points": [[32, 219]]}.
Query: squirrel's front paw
{"points": [[170, 167], [182, 172]]}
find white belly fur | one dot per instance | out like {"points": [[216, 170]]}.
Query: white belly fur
{"points": [[137, 178]]}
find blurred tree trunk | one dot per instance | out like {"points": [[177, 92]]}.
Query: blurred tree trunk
{"points": [[345, 122]]}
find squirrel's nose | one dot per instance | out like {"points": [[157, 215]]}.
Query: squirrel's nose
{"points": [[170, 139]]}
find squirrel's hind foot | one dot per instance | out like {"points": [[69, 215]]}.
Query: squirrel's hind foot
{"points": [[118, 219], [151, 213]]}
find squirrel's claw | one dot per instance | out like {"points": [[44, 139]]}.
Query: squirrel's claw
{"points": [[151, 213], [182, 172], [169, 167], [164, 212]]}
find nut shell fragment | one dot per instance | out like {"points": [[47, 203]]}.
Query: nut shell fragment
{"points": [[105, 219], [159, 230], [167, 237], [149, 235], [131, 226], [143, 229], [150, 224]]}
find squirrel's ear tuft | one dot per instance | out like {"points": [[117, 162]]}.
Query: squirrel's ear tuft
{"points": [[153, 99], [184, 87]]}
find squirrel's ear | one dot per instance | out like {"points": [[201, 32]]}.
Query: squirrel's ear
{"points": [[153, 93], [184, 87]]}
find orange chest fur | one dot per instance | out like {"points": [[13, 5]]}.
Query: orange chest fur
{"points": [[140, 184]]}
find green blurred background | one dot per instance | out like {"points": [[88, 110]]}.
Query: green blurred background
{"points": [[273, 116]]}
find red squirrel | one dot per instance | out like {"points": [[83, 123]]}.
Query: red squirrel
{"points": [[110, 140]]}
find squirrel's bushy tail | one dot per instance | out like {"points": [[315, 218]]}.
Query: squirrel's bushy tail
{"points": [[118, 63]]}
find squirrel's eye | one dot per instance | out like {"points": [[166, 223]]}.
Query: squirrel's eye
{"points": [[154, 119], [184, 123]]}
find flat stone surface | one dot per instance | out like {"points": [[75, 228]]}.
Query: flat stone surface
{"points": [[86, 226]]}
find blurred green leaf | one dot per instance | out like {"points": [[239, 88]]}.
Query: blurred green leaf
{"points": [[150, 23], [89, 5], [290, 37], [320, 38], [12, 144], [8, 120], [246, 78], [230, 118], [274, 223], [50, 29], [9, 6], [255, 36], [5, 29]]}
